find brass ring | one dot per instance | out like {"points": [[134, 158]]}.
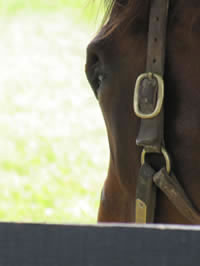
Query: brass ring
{"points": [[165, 155], [160, 95]]}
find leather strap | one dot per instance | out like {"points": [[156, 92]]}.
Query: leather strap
{"points": [[145, 195], [151, 130], [170, 186], [147, 93]]}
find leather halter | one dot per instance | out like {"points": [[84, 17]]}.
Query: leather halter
{"points": [[148, 105]]}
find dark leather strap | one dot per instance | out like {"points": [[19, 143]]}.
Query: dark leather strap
{"points": [[146, 96], [151, 130], [170, 186], [145, 195]]}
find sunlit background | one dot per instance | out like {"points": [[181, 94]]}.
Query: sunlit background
{"points": [[53, 146]]}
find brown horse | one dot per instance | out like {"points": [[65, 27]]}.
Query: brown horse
{"points": [[115, 58]]}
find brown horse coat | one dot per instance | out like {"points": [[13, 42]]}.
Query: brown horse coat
{"points": [[115, 58]]}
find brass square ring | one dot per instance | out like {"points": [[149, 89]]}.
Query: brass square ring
{"points": [[160, 96]]}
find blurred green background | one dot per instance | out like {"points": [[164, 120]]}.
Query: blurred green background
{"points": [[53, 145], [88, 8]]}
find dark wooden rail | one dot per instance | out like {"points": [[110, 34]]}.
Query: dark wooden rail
{"points": [[103, 245]]}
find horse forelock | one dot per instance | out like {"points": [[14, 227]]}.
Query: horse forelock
{"points": [[124, 12], [127, 12]]}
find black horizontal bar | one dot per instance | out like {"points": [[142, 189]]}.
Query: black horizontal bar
{"points": [[102, 245]]}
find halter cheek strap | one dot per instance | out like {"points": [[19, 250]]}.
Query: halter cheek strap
{"points": [[149, 90], [148, 106]]}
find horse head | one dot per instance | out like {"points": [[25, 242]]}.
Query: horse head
{"points": [[115, 59]]}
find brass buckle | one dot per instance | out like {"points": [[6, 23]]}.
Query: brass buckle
{"points": [[160, 96]]}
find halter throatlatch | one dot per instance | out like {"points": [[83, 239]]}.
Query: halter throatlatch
{"points": [[148, 106]]}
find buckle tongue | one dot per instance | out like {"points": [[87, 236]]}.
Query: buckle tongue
{"points": [[148, 95]]}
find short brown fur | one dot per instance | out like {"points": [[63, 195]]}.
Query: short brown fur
{"points": [[118, 54]]}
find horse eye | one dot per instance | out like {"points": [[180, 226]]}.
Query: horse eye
{"points": [[94, 71], [100, 79], [122, 2], [97, 84]]}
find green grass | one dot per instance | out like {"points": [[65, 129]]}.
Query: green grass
{"points": [[87, 8], [53, 146]]}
